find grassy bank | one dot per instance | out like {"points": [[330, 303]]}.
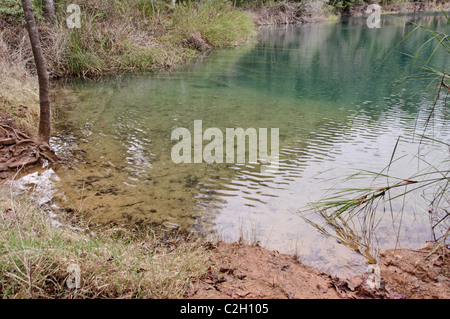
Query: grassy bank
{"points": [[131, 36], [39, 258], [117, 36], [35, 256]]}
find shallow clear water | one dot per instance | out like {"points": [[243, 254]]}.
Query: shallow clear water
{"points": [[337, 107]]}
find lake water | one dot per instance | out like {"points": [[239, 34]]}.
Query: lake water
{"points": [[338, 93]]}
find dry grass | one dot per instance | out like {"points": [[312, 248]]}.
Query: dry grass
{"points": [[35, 256], [17, 86]]}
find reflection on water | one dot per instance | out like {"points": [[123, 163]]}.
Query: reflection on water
{"points": [[323, 85]]}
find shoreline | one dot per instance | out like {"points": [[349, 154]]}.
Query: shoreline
{"points": [[298, 13], [138, 260], [400, 8]]}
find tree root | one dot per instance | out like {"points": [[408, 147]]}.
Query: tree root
{"points": [[18, 151]]}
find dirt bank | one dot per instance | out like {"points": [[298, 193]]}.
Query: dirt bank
{"points": [[405, 7], [291, 13], [247, 272], [417, 274], [254, 272], [307, 12]]}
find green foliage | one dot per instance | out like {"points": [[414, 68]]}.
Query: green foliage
{"points": [[13, 8], [79, 58], [345, 4], [252, 3], [216, 21], [151, 8]]}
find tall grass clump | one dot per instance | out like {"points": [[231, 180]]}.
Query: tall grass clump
{"points": [[35, 256], [216, 22], [113, 37]]}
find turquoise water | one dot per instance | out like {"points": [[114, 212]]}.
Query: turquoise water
{"points": [[338, 93]]}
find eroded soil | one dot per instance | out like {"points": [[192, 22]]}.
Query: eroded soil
{"points": [[242, 271], [417, 274]]}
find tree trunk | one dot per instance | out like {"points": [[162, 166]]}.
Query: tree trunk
{"points": [[44, 100], [49, 11]]}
